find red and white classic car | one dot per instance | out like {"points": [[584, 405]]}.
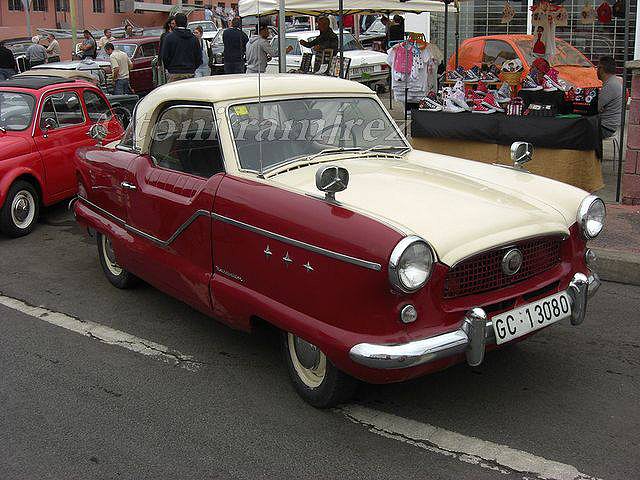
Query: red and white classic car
{"points": [[297, 201], [43, 119]]}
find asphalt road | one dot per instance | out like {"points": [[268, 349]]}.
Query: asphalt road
{"points": [[74, 407]]}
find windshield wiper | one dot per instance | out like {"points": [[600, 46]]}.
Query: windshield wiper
{"points": [[382, 148]]}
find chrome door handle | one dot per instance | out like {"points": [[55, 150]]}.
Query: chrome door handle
{"points": [[128, 186]]}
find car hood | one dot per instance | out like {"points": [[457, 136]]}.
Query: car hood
{"points": [[581, 77], [365, 56], [12, 144], [458, 213]]}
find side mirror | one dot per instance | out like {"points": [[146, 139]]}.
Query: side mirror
{"points": [[331, 180], [521, 153], [98, 132]]}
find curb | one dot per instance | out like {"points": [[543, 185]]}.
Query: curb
{"points": [[617, 266]]}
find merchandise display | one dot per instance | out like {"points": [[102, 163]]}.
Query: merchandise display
{"points": [[414, 69]]}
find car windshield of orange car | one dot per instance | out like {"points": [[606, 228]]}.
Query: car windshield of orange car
{"points": [[271, 134], [16, 111], [566, 55]]}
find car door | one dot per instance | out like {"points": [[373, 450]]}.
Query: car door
{"points": [[141, 77], [171, 192], [99, 111], [61, 129]]}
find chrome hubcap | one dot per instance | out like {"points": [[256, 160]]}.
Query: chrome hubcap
{"points": [[23, 209], [308, 361], [110, 256]]}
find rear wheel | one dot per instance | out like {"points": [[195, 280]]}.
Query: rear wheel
{"points": [[117, 275], [314, 377], [20, 211]]}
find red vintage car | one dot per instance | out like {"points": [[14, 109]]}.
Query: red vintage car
{"points": [[141, 51], [295, 200], [43, 120]]}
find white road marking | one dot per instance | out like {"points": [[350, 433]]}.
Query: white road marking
{"points": [[104, 334], [500, 458]]}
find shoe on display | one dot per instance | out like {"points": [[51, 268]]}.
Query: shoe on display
{"points": [[432, 95], [488, 77], [457, 98], [470, 76], [512, 65], [445, 93], [590, 95], [478, 107], [503, 95], [552, 77], [530, 84], [429, 105], [482, 88], [547, 86], [453, 76], [494, 70], [451, 107], [474, 97], [490, 102]]}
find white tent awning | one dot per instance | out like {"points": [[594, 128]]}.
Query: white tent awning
{"points": [[319, 7]]}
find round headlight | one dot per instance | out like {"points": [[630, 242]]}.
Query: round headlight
{"points": [[410, 264], [591, 215]]}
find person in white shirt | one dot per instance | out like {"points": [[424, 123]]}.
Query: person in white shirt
{"points": [[53, 49], [204, 70], [106, 38], [120, 67]]}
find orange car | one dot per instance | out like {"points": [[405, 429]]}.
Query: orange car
{"points": [[573, 67]]}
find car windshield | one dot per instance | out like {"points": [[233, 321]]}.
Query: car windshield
{"points": [[206, 26], [272, 134], [16, 110], [565, 55]]}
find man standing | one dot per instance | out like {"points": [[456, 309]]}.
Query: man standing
{"points": [[610, 98], [259, 51], [327, 40], [36, 54], [181, 52], [235, 44], [204, 70], [7, 63], [106, 38], [120, 67], [208, 14], [88, 46], [53, 49]]}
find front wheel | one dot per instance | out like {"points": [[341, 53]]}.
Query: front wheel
{"points": [[118, 276], [314, 377], [20, 211]]}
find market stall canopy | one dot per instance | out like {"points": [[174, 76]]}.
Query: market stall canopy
{"points": [[332, 7]]}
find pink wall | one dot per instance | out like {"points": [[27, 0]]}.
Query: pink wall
{"points": [[13, 23]]}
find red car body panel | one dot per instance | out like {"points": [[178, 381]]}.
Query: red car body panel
{"points": [[219, 244], [48, 159]]}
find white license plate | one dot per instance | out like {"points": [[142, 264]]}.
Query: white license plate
{"points": [[361, 70], [533, 316]]}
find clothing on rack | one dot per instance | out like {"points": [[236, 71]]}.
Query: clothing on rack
{"points": [[414, 70]]}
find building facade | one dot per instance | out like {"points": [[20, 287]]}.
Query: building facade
{"points": [[91, 14]]}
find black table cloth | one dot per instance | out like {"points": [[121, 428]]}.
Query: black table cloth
{"points": [[545, 132]]}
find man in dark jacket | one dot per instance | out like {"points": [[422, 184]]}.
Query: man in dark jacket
{"points": [[7, 63], [327, 40], [235, 45], [181, 52]]}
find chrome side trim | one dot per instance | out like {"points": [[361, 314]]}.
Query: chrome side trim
{"points": [[236, 223], [297, 243]]}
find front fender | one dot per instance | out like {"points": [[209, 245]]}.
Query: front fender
{"points": [[9, 175]]}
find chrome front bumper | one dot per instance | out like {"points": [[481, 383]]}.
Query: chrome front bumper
{"points": [[474, 334]]}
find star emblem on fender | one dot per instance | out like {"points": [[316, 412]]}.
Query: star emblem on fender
{"points": [[287, 259], [308, 267], [267, 252]]}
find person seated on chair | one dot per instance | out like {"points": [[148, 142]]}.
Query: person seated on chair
{"points": [[610, 98]]}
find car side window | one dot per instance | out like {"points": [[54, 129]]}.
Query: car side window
{"points": [[148, 50], [497, 52], [97, 107], [185, 139], [48, 118], [65, 108]]}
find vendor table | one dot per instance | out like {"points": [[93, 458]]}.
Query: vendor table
{"points": [[566, 149]]}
